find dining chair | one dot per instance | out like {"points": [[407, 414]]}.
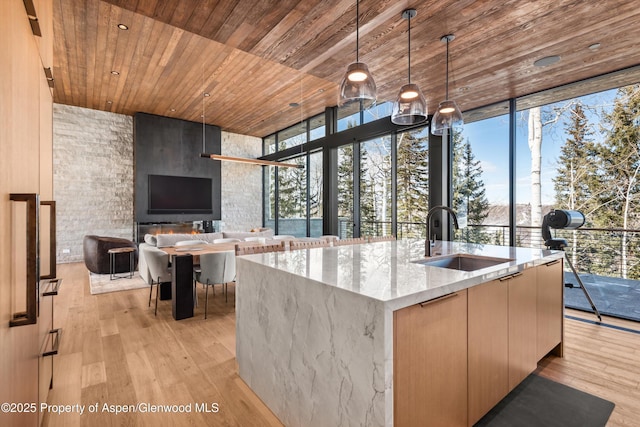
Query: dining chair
{"points": [[154, 269], [248, 248], [307, 244], [216, 268], [381, 239], [350, 241], [330, 238]]}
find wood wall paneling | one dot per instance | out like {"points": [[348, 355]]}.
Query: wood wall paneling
{"points": [[25, 167]]}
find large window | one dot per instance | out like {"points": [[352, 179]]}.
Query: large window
{"points": [[508, 169], [315, 194], [269, 196], [412, 183], [345, 201], [480, 179], [292, 199], [317, 127], [583, 154], [375, 187], [293, 136]]}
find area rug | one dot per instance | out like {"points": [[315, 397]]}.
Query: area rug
{"points": [[101, 283], [539, 402]]}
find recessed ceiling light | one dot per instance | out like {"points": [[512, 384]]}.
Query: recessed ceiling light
{"points": [[115, 73], [594, 46], [294, 105], [463, 89], [206, 94], [547, 60], [123, 27], [172, 110], [109, 102]]}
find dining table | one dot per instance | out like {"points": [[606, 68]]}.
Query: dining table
{"points": [[183, 259]]}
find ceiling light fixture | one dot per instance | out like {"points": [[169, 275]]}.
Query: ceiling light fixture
{"points": [[547, 60], [358, 84], [115, 73], [250, 161], [123, 27], [410, 106], [448, 114]]}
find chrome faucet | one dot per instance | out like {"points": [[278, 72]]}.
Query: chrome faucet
{"points": [[428, 242]]}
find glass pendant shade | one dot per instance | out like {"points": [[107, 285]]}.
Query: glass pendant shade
{"points": [[410, 106], [447, 115], [358, 85]]}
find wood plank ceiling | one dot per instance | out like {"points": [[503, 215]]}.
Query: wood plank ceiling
{"points": [[256, 57]]}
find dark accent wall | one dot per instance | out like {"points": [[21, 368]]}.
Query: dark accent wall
{"points": [[167, 146]]}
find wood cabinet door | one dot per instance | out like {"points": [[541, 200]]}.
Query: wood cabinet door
{"points": [[550, 296], [522, 326], [430, 363], [488, 360]]}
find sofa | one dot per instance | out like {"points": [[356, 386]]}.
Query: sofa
{"points": [[164, 240], [96, 256]]}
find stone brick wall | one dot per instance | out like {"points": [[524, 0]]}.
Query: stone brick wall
{"points": [[241, 191], [93, 169], [92, 177]]}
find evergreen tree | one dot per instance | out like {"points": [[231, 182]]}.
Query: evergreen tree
{"points": [[292, 188], [577, 174], [345, 186], [413, 182], [367, 196], [577, 179], [375, 186], [469, 190], [620, 154]]}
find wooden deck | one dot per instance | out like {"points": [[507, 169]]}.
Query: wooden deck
{"points": [[115, 352]]}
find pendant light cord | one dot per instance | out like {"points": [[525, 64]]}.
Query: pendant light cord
{"points": [[446, 86], [357, 30], [204, 145], [409, 44]]}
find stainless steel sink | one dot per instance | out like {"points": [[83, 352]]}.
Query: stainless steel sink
{"points": [[462, 262]]}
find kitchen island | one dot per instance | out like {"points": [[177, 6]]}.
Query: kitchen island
{"points": [[319, 332]]}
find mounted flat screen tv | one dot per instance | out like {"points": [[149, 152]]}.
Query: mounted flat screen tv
{"points": [[179, 195]]}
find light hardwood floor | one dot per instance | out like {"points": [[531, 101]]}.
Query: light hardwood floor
{"points": [[115, 351]]}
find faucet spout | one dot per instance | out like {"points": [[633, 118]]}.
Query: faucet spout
{"points": [[428, 242]]}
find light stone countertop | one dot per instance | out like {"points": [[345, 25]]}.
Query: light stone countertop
{"points": [[384, 271]]}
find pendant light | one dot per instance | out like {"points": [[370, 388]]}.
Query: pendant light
{"points": [[358, 84], [448, 114], [410, 106]]}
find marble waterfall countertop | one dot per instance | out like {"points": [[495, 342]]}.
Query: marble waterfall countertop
{"points": [[315, 328], [384, 271]]}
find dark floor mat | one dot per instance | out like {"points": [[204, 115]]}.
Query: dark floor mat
{"points": [[539, 402]]}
